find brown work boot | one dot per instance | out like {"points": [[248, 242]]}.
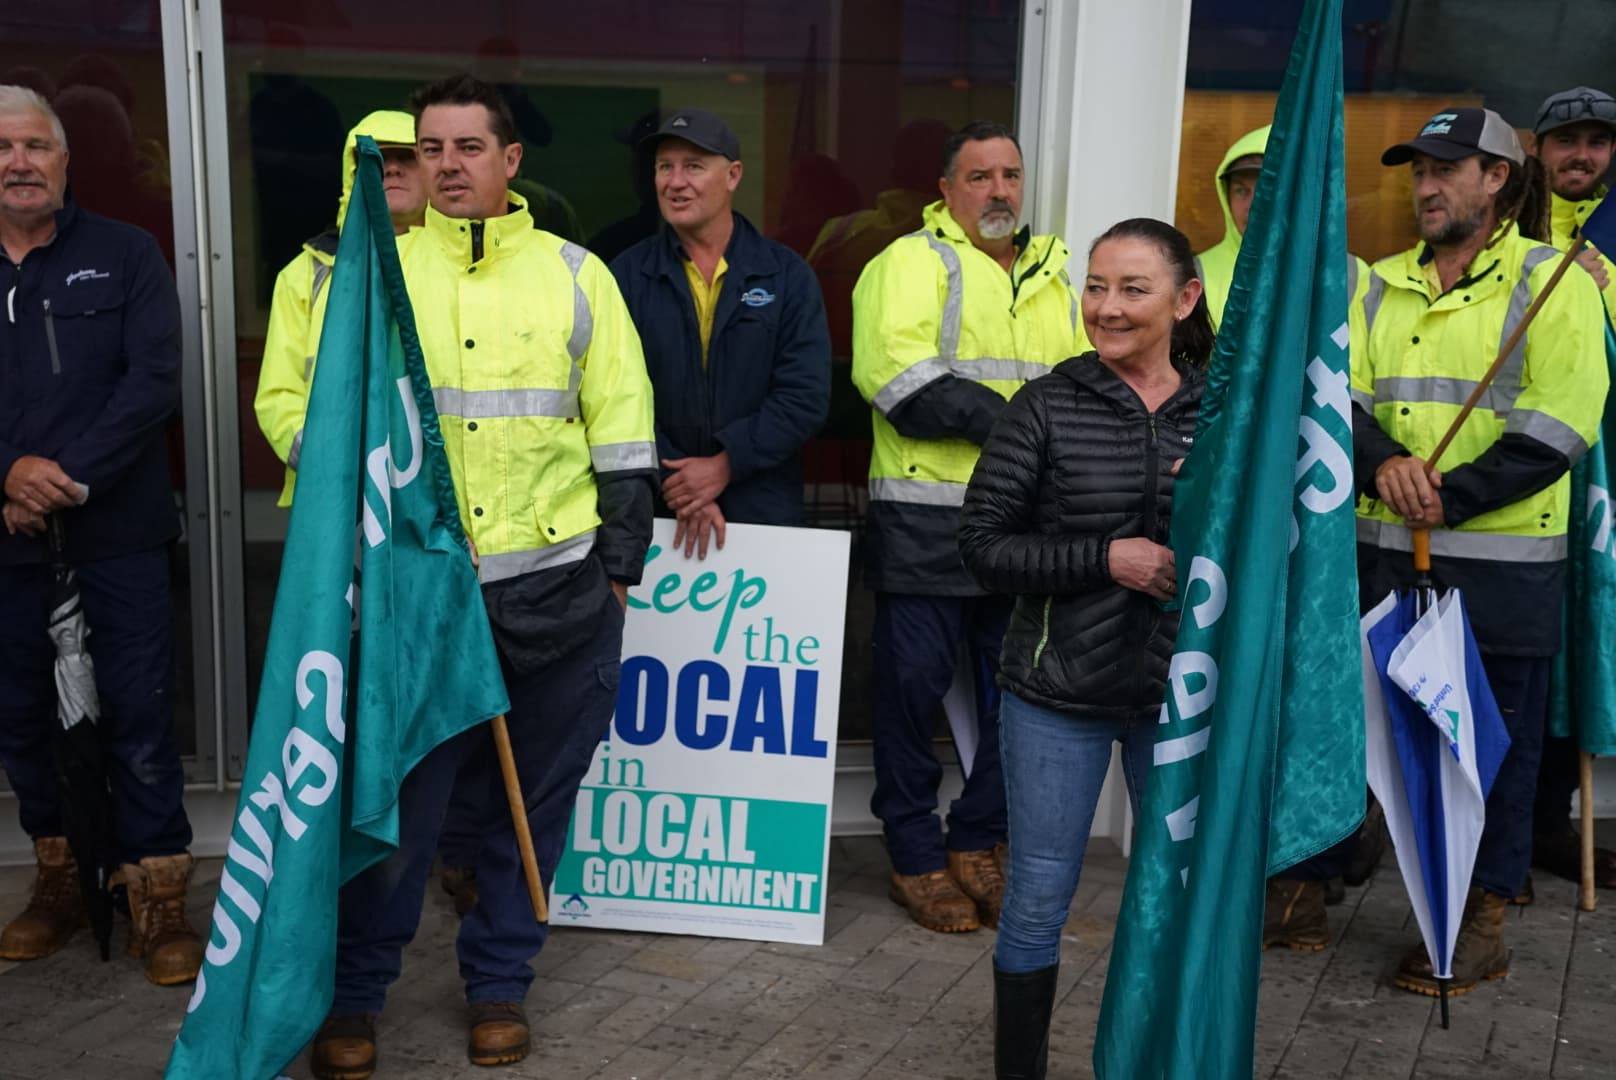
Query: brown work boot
{"points": [[159, 932], [460, 882], [55, 909], [1294, 916], [978, 875], [345, 1048], [1480, 953], [498, 1033], [935, 902]]}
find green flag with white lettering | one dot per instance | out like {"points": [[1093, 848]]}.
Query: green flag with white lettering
{"points": [[1259, 759], [1583, 691], [379, 650]]}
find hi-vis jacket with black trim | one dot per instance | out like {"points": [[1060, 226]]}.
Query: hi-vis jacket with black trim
{"points": [[942, 337], [541, 392], [1565, 225], [1417, 353], [297, 311]]}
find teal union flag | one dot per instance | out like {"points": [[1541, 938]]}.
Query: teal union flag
{"points": [[1259, 758], [379, 650]]}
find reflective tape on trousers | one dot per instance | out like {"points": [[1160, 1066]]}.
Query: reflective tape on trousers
{"points": [[923, 492], [511, 564], [501, 404], [1457, 544]]}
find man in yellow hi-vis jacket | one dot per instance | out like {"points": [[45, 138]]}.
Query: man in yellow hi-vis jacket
{"points": [[948, 323], [545, 410], [1576, 131], [297, 307], [1497, 503]]}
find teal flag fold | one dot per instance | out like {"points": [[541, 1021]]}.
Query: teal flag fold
{"points": [[379, 650], [1259, 758], [1582, 702]]}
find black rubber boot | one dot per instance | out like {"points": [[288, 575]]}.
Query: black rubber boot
{"points": [[1021, 1007]]}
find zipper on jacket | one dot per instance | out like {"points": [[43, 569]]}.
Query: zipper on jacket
{"points": [[50, 339], [476, 241], [1043, 639], [1016, 284], [1152, 491]]}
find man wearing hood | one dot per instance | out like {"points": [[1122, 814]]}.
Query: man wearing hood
{"points": [[297, 308], [1575, 131], [1236, 182]]}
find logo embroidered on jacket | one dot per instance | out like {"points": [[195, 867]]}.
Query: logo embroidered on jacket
{"points": [[758, 297], [87, 275]]}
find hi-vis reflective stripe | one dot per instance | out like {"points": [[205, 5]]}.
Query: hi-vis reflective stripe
{"points": [[516, 563], [498, 404], [1458, 544], [923, 373], [1441, 390], [583, 320], [1506, 387], [1548, 430], [924, 492], [618, 457], [296, 452], [948, 333]]}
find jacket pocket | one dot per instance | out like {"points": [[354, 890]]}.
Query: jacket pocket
{"points": [[84, 333], [1043, 635]]}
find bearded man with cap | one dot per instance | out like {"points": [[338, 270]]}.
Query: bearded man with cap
{"points": [[1575, 131], [735, 341], [1434, 317]]}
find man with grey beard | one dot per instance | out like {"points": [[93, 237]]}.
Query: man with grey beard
{"points": [[948, 323]]}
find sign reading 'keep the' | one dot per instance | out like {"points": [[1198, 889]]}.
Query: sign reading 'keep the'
{"points": [[706, 809]]}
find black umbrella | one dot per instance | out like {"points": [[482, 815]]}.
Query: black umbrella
{"points": [[86, 800]]}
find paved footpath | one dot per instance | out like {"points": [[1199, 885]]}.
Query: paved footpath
{"points": [[882, 999]]}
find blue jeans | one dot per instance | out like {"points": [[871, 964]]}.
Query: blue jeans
{"points": [[1054, 765], [916, 643]]}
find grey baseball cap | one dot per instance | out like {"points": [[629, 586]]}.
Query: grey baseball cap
{"points": [[699, 128], [1458, 133], [1573, 107]]}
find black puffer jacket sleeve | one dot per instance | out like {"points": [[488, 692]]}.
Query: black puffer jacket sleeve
{"points": [[1001, 538]]}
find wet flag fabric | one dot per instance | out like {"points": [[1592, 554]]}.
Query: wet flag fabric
{"points": [[379, 650], [1259, 759]]}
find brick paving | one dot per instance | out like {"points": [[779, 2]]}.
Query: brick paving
{"points": [[882, 999]]}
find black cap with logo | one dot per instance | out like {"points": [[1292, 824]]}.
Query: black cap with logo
{"points": [[1459, 133], [699, 128]]}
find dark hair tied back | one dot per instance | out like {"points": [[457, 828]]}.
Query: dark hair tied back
{"points": [[1193, 336]]}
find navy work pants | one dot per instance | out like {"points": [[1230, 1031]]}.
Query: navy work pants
{"points": [[558, 715], [1520, 685], [916, 643], [127, 608]]}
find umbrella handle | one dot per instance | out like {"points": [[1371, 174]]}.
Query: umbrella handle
{"points": [[1422, 551]]}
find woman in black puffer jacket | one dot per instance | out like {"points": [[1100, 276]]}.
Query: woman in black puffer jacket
{"points": [[1069, 510]]}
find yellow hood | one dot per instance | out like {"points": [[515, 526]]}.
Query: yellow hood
{"points": [[389, 128], [1217, 262]]}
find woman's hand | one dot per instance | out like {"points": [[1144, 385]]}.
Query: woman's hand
{"points": [[1144, 566]]}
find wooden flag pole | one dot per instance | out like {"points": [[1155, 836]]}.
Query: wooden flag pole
{"points": [[1587, 900], [524, 836]]}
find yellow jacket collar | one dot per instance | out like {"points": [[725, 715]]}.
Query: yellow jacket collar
{"points": [[1406, 270], [940, 222], [1566, 217], [499, 235]]}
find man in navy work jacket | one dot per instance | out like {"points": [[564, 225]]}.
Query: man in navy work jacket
{"points": [[735, 340], [89, 376]]}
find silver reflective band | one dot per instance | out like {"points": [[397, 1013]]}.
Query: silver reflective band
{"points": [[499, 404], [321, 272], [308, 368], [583, 320], [617, 457], [918, 376], [948, 333], [1455, 544], [1372, 299], [516, 563], [1520, 298], [1364, 401], [909, 381], [296, 452], [1441, 390], [925, 492], [1548, 430]]}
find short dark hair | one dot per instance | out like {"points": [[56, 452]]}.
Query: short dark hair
{"points": [[975, 131], [464, 89]]}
